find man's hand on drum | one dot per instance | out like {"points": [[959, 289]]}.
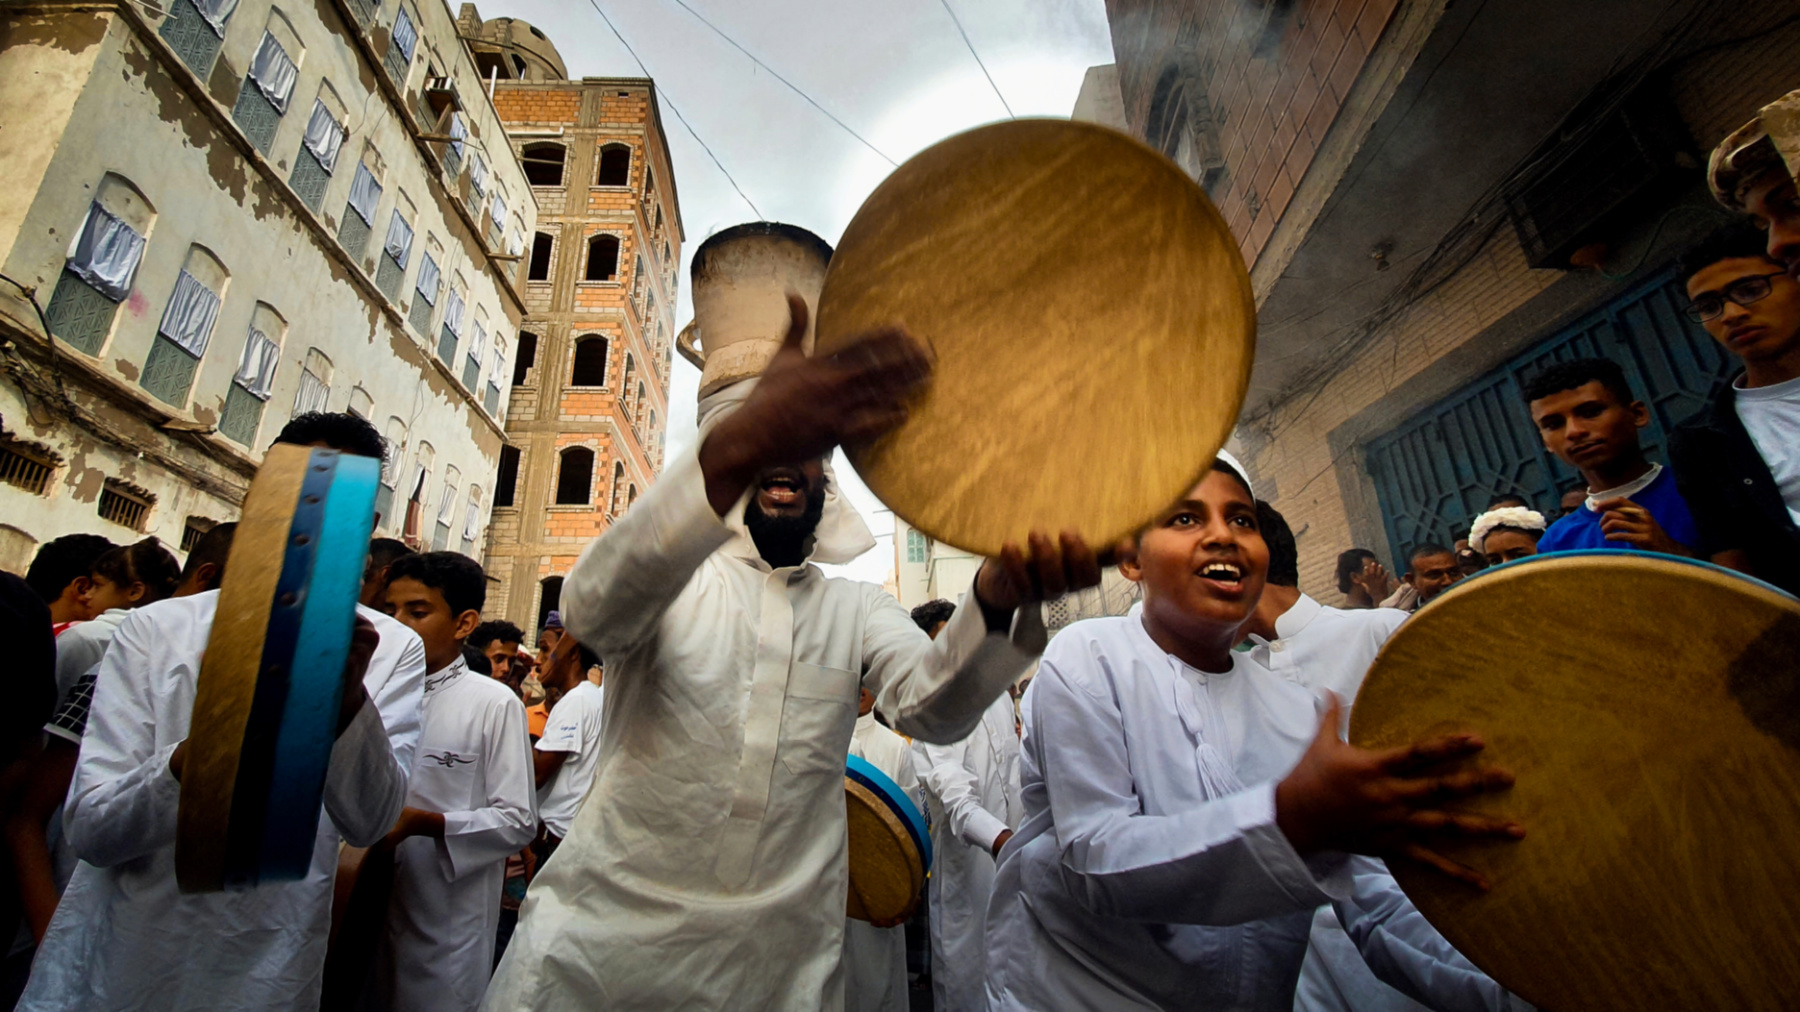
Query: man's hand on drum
{"points": [[805, 406], [1042, 569], [1390, 803]]}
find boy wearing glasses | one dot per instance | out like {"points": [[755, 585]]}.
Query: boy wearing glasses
{"points": [[1738, 463]]}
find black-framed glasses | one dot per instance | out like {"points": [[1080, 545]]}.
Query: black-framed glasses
{"points": [[1743, 291]]}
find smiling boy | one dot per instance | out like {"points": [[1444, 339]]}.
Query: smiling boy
{"points": [[1588, 417]]}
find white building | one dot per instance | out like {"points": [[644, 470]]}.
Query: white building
{"points": [[232, 212]]}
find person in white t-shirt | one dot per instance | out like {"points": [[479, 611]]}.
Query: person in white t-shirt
{"points": [[569, 749]]}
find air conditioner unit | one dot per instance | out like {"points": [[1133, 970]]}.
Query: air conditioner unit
{"points": [[440, 93]]}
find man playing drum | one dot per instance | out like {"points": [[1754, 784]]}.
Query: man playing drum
{"points": [[707, 867]]}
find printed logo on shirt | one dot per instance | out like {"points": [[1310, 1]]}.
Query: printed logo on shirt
{"points": [[448, 758]]}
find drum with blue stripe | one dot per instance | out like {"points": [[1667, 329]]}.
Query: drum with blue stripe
{"points": [[267, 700], [890, 849]]}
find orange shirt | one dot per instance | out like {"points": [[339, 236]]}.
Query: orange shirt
{"points": [[535, 719]]}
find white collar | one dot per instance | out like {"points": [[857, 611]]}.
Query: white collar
{"points": [[446, 674], [1625, 491], [1294, 621]]}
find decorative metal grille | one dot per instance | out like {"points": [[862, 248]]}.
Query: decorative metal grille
{"points": [[169, 371], [471, 373], [191, 37], [309, 179], [79, 313], [364, 11], [123, 507], [397, 65], [389, 275], [22, 468], [353, 234], [452, 164], [491, 401], [447, 346], [256, 115], [420, 317], [243, 413], [440, 537]]}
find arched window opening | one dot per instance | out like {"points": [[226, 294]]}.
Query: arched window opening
{"points": [[549, 599], [574, 476], [618, 483], [541, 245], [507, 478], [526, 358], [603, 258], [590, 362], [543, 163], [615, 165]]}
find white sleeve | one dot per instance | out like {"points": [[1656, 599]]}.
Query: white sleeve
{"points": [[567, 728], [951, 782], [936, 690], [122, 798], [1221, 862], [399, 694], [623, 582], [1407, 953], [477, 838], [906, 776], [365, 788]]}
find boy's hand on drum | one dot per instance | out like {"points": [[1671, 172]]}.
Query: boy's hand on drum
{"points": [[1385, 803], [804, 406], [362, 647], [1045, 568]]}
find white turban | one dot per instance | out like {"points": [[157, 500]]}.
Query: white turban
{"points": [[1506, 516]]}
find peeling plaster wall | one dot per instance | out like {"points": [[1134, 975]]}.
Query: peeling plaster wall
{"points": [[122, 103]]}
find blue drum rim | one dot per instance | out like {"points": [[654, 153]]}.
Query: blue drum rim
{"points": [[256, 762], [1629, 553], [865, 773], [308, 729]]}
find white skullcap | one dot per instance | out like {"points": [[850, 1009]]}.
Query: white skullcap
{"points": [[1224, 457]]}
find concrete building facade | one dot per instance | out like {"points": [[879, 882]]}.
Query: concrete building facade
{"points": [[225, 214], [1435, 200], [589, 391]]}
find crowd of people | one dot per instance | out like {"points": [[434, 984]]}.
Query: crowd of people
{"points": [[641, 805]]}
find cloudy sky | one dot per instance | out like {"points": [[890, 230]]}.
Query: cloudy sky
{"points": [[894, 71]]}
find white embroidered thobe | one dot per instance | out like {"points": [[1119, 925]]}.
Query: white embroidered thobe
{"points": [[1149, 872], [474, 767], [706, 869], [973, 789], [1322, 647], [124, 937], [875, 958]]}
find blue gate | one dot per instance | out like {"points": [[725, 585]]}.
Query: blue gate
{"points": [[1435, 473]]}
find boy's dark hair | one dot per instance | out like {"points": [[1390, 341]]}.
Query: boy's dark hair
{"points": [[929, 614], [1350, 562], [452, 574], [62, 561], [475, 659], [488, 632], [1509, 499], [340, 430], [1425, 549], [1741, 240], [1222, 466], [214, 546], [384, 552], [1284, 555], [146, 562], [1560, 376]]}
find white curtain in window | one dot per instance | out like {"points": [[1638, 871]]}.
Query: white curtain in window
{"points": [[475, 346], [324, 135], [399, 240], [364, 193], [273, 73], [457, 132], [256, 370], [447, 503], [499, 365], [405, 36], [105, 253], [215, 13], [499, 211], [312, 395], [453, 313], [428, 280], [477, 174], [472, 518], [188, 318]]}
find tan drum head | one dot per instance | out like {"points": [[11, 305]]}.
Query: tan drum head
{"points": [[1650, 708], [1091, 321], [887, 874]]}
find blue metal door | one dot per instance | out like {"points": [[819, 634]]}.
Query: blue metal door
{"points": [[1435, 473]]}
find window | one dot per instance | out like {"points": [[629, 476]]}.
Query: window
{"points": [[195, 29], [359, 213], [425, 294], [471, 377], [491, 400], [631, 497], [915, 546], [396, 249], [101, 265], [255, 376], [415, 500], [26, 467], [315, 383], [603, 258], [395, 434], [268, 87], [440, 534], [527, 357], [618, 483], [615, 165], [453, 151], [574, 476], [541, 245], [194, 530], [402, 40], [361, 404], [639, 406], [317, 158], [549, 598], [185, 330], [453, 323], [507, 477], [544, 163], [471, 521], [125, 505], [590, 362]]}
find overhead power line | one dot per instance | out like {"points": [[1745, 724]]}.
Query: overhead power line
{"points": [[674, 109], [791, 85], [978, 62]]}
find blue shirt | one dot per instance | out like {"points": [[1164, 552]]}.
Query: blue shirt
{"points": [[1581, 529]]}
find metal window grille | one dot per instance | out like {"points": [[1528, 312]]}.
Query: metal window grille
{"points": [[420, 317], [195, 529], [256, 115], [169, 371], [915, 546], [191, 37], [242, 415], [389, 275], [79, 313], [309, 179], [397, 64], [491, 400], [123, 506], [440, 537], [471, 372], [353, 234], [447, 346], [23, 468]]}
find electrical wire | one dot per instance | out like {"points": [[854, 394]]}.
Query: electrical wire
{"points": [[677, 111], [978, 62], [791, 85]]}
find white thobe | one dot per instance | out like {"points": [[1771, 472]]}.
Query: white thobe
{"points": [[875, 958], [1149, 872], [474, 767], [124, 937], [706, 869], [1322, 647], [973, 789]]}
